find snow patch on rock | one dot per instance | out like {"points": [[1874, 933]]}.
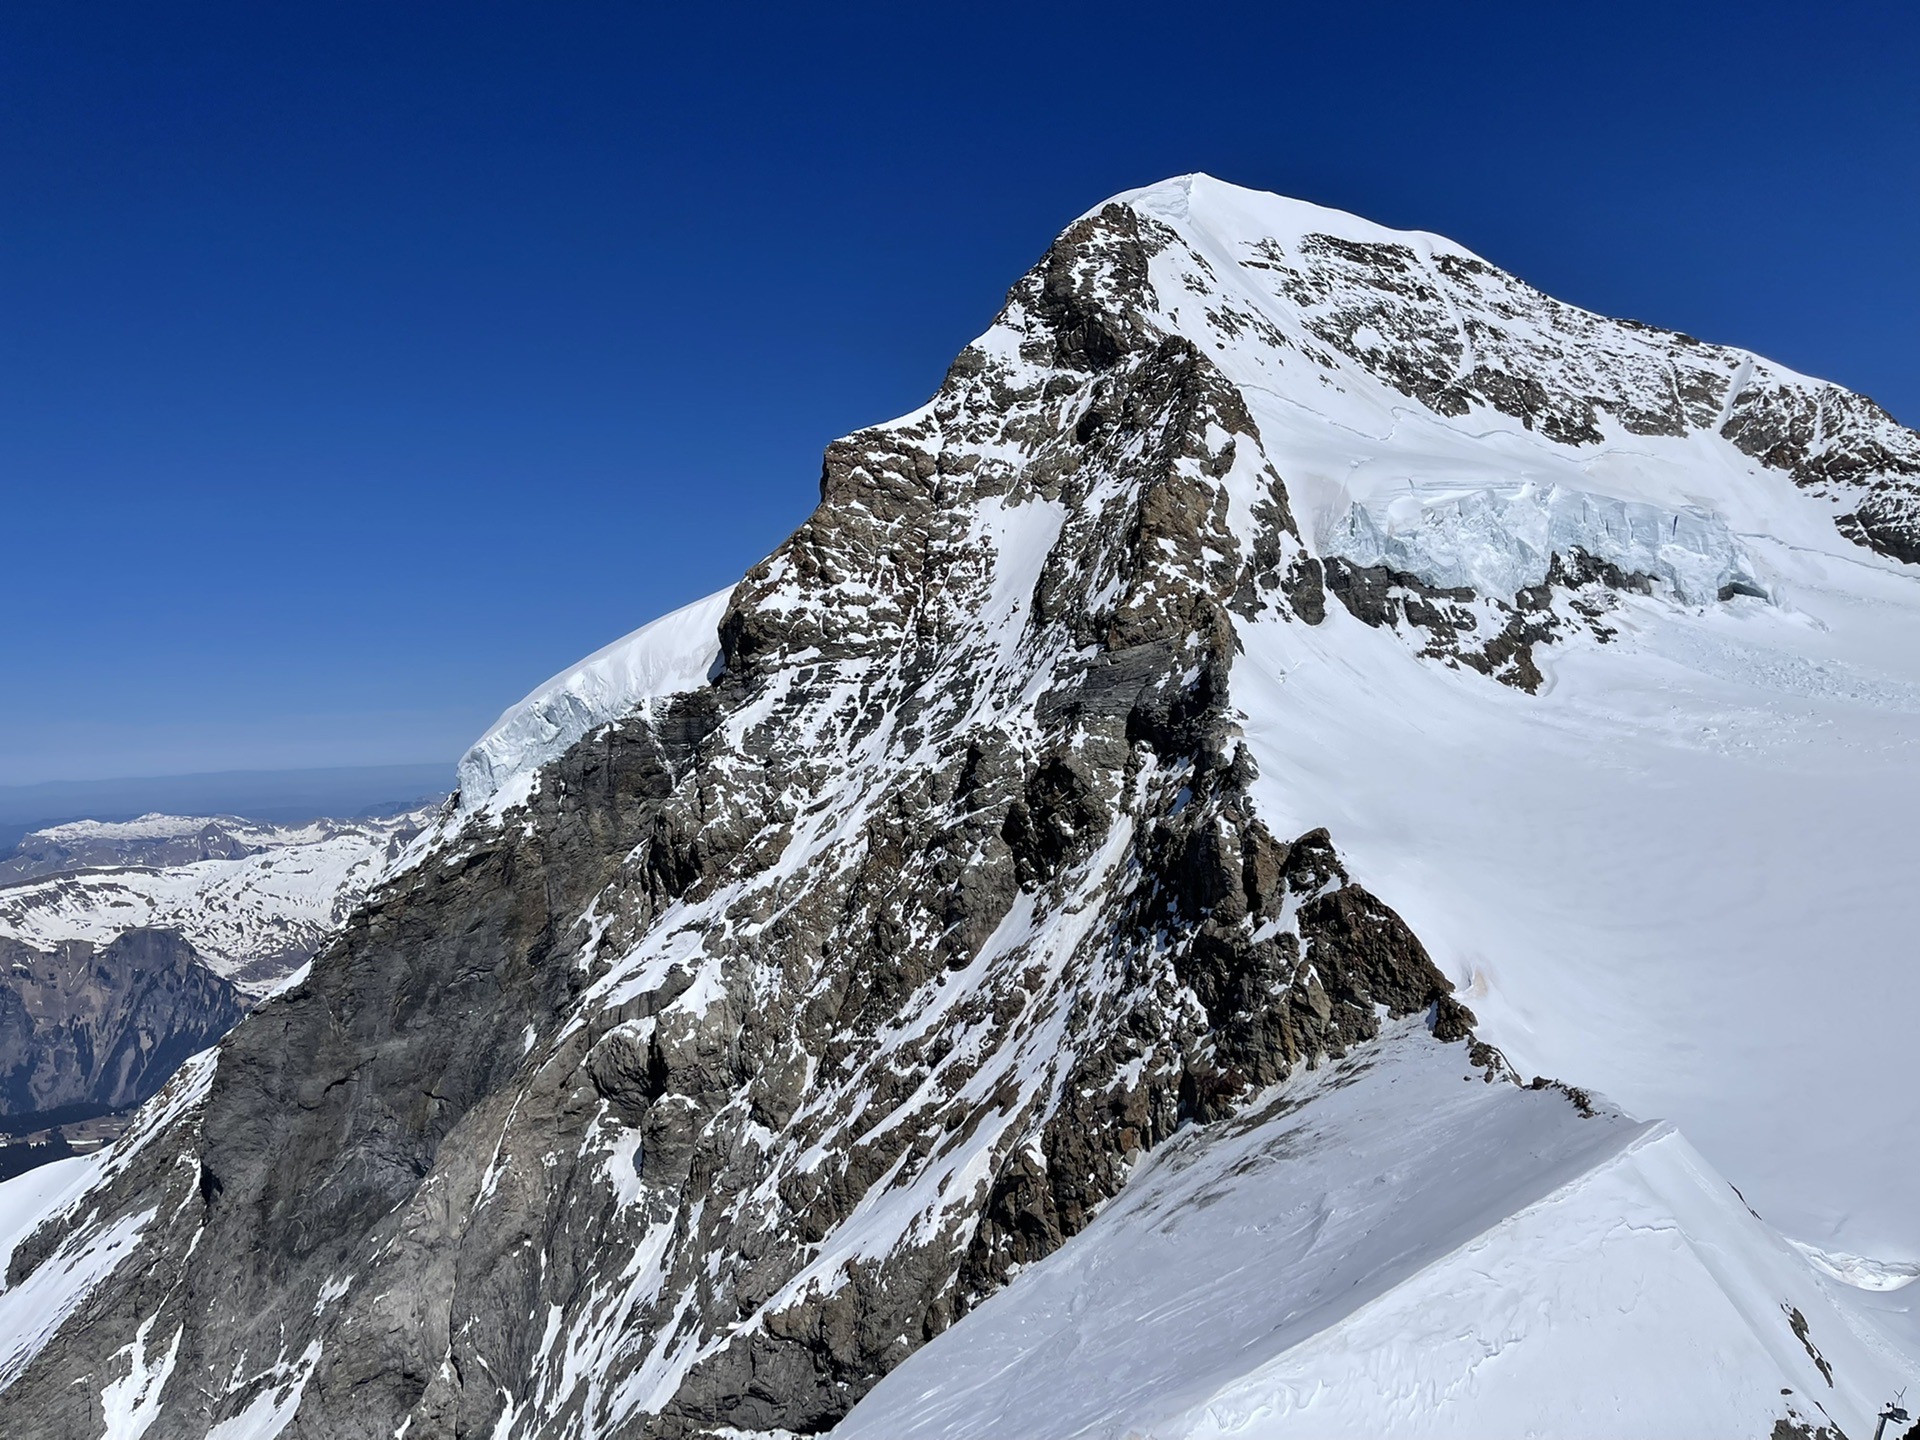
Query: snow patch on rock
{"points": [[39, 1305]]}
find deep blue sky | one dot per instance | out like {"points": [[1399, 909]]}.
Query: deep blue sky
{"points": [[361, 365]]}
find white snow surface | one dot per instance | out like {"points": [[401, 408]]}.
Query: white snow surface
{"points": [[1341, 436], [26, 1200], [1681, 874], [667, 657], [1382, 1249], [32, 1311]]}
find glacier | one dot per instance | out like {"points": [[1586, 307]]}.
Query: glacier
{"points": [[1502, 539], [671, 655]]}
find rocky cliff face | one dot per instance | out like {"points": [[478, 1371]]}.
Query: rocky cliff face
{"points": [[687, 1087], [85, 1030]]}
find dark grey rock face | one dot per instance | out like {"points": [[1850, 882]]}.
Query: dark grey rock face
{"points": [[1493, 636], [789, 1016], [1841, 444], [86, 1030]]}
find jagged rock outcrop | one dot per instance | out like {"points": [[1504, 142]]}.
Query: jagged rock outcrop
{"points": [[687, 1090], [1497, 637]]}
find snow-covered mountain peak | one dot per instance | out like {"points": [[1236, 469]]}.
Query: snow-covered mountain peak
{"points": [[809, 966], [1369, 356], [1228, 215]]}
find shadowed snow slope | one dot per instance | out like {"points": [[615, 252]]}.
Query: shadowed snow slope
{"points": [[1382, 1250]]}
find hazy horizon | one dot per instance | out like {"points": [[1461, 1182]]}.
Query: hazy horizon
{"points": [[274, 795]]}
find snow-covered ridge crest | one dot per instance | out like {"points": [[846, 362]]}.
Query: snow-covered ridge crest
{"points": [[1197, 197], [667, 657], [1257, 1277]]}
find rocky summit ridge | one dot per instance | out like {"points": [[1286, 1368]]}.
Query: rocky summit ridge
{"points": [[791, 976]]}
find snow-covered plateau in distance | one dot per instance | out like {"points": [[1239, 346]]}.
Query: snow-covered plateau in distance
{"points": [[988, 973], [253, 899]]}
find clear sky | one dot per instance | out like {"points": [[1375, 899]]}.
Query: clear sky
{"points": [[363, 364]]}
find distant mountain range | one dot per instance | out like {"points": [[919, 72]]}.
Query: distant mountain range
{"points": [[253, 899], [284, 796], [126, 946], [89, 1029]]}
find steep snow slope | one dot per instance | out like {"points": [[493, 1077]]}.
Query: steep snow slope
{"points": [[1682, 871], [26, 1199], [36, 1302], [799, 971], [252, 917], [1381, 1250]]}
